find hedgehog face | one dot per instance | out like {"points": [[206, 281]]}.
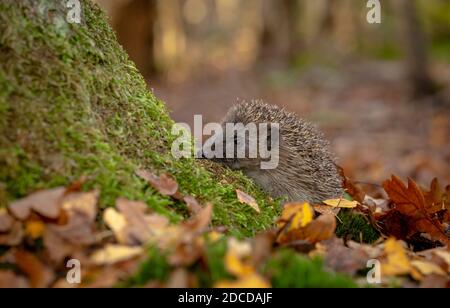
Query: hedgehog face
{"points": [[248, 146]]}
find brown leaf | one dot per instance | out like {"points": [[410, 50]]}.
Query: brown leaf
{"points": [[57, 248], [193, 206], [410, 202], [179, 278], [247, 199], [14, 236], [78, 230], [199, 222], [46, 203], [6, 221], [84, 203], [137, 226], [40, 276], [343, 259], [9, 279], [165, 184]]}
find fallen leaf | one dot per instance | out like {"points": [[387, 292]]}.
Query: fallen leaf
{"points": [[179, 278], [111, 254], [34, 229], [344, 259], [46, 203], [6, 221], [397, 261], [320, 229], [303, 217], [84, 203], [9, 279], [57, 247], [325, 209], [410, 202], [247, 199], [248, 281], [427, 268], [289, 210], [78, 230], [341, 203], [117, 223], [40, 276], [193, 206], [14, 236], [165, 184], [444, 255]]}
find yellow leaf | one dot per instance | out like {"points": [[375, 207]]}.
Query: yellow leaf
{"points": [[116, 222], [427, 268], [249, 281], [235, 266], [247, 199], [115, 253], [443, 255], [303, 217], [291, 209], [341, 203], [34, 229], [397, 261]]}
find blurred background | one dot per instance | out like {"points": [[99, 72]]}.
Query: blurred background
{"points": [[380, 92]]}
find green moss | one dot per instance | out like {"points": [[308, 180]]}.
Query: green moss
{"points": [[289, 269], [72, 104], [354, 226], [154, 268], [214, 270]]}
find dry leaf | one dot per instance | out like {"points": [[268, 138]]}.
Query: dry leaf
{"points": [[111, 254], [247, 199], [165, 184], [341, 203], [444, 255], [397, 261], [6, 221], [83, 202], [344, 259], [34, 229], [14, 236], [325, 209], [302, 217], [9, 279], [46, 202], [40, 276], [410, 202], [427, 268], [193, 206]]}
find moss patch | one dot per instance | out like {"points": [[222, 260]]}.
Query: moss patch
{"points": [[288, 269], [355, 226], [73, 104]]}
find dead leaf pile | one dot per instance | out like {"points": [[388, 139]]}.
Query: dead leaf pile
{"points": [[45, 232]]}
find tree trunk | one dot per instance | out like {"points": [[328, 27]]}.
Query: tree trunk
{"points": [[414, 45]]}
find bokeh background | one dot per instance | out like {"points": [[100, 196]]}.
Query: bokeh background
{"points": [[380, 92]]}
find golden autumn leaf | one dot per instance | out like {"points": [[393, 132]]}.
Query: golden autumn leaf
{"points": [[35, 229], [235, 266], [247, 199], [303, 217], [427, 268], [397, 260], [341, 203], [111, 254], [291, 209]]}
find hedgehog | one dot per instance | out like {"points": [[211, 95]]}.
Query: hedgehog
{"points": [[305, 171]]}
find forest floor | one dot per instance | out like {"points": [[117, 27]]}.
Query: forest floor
{"points": [[363, 108]]}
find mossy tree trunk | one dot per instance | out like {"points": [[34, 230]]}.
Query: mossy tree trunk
{"points": [[73, 104]]}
